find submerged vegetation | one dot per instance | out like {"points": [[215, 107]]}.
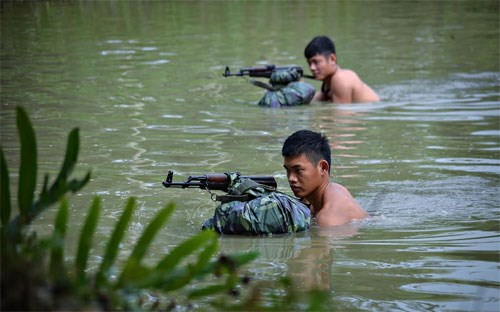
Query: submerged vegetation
{"points": [[36, 276]]}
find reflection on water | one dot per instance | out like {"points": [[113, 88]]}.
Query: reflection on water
{"points": [[147, 93]]}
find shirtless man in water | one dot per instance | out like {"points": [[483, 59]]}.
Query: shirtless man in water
{"points": [[339, 85], [307, 160]]}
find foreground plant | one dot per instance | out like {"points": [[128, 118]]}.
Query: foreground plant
{"points": [[35, 276]]}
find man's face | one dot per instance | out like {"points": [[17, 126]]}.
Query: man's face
{"points": [[303, 176], [321, 65]]}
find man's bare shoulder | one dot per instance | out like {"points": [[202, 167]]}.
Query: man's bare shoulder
{"points": [[348, 80], [347, 76], [339, 207], [339, 191]]}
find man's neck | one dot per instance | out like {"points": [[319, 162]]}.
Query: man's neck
{"points": [[325, 87], [316, 199]]}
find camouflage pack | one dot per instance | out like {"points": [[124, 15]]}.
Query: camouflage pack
{"points": [[254, 209], [287, 90], [294, 94]]}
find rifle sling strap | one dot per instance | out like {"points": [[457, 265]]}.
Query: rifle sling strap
{"points": [[240, 192], [264, 85]]}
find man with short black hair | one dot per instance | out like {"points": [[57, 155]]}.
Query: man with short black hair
{"points": [[339, 85], [307, 160]]}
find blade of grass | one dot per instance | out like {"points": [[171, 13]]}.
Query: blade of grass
{"points": [[57, 250], [5, 208], [205, 256], [185, 249], [143, 243], [85, 241], [114, 242], [75, 185], [182, 276], [173, 281], [242, 258], [169, 263], [28, 165], [232, 261], [207, 291], [71, 155]]}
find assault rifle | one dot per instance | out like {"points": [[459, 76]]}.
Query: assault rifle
{"points": [[214, 181], [264, 71]]}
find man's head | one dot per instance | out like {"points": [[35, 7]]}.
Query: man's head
{"points": [[319, 45], [307, 160], [311, 144], [321, 57]]}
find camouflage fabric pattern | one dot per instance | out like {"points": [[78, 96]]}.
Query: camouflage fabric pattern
{"points": [[271, 212], [293, 94], [284, 76]]}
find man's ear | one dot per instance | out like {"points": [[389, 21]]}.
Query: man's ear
{"points": [[332, 58], [323, 165]]}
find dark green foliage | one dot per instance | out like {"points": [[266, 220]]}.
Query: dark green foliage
{"points": [[28, 207], [34, 273]]}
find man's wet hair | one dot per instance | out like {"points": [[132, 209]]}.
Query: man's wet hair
{"points": [[319, 45], [313, 145]]}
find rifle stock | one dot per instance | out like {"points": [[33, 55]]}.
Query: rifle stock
{"points": [[214, 181]]}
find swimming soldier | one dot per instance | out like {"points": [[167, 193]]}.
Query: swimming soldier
{"points": [[307, 160], [339, 85]]}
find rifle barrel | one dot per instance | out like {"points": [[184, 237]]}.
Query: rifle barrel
{"points": [[183, 184]]}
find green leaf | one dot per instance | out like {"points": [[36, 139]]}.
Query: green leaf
{"points": [[28, 165], [75, 185], [115, 240], [207, 291], [57, 250], [85, 241], [175, 280], [71, 156], [163, 270], [45, 183], [175, 277], [242, 258], [205, 256], [186, 248], [142, 245], [5, 207]]}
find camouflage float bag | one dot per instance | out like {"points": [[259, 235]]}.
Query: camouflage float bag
{"points": [[285, 89], [252, 208]]}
